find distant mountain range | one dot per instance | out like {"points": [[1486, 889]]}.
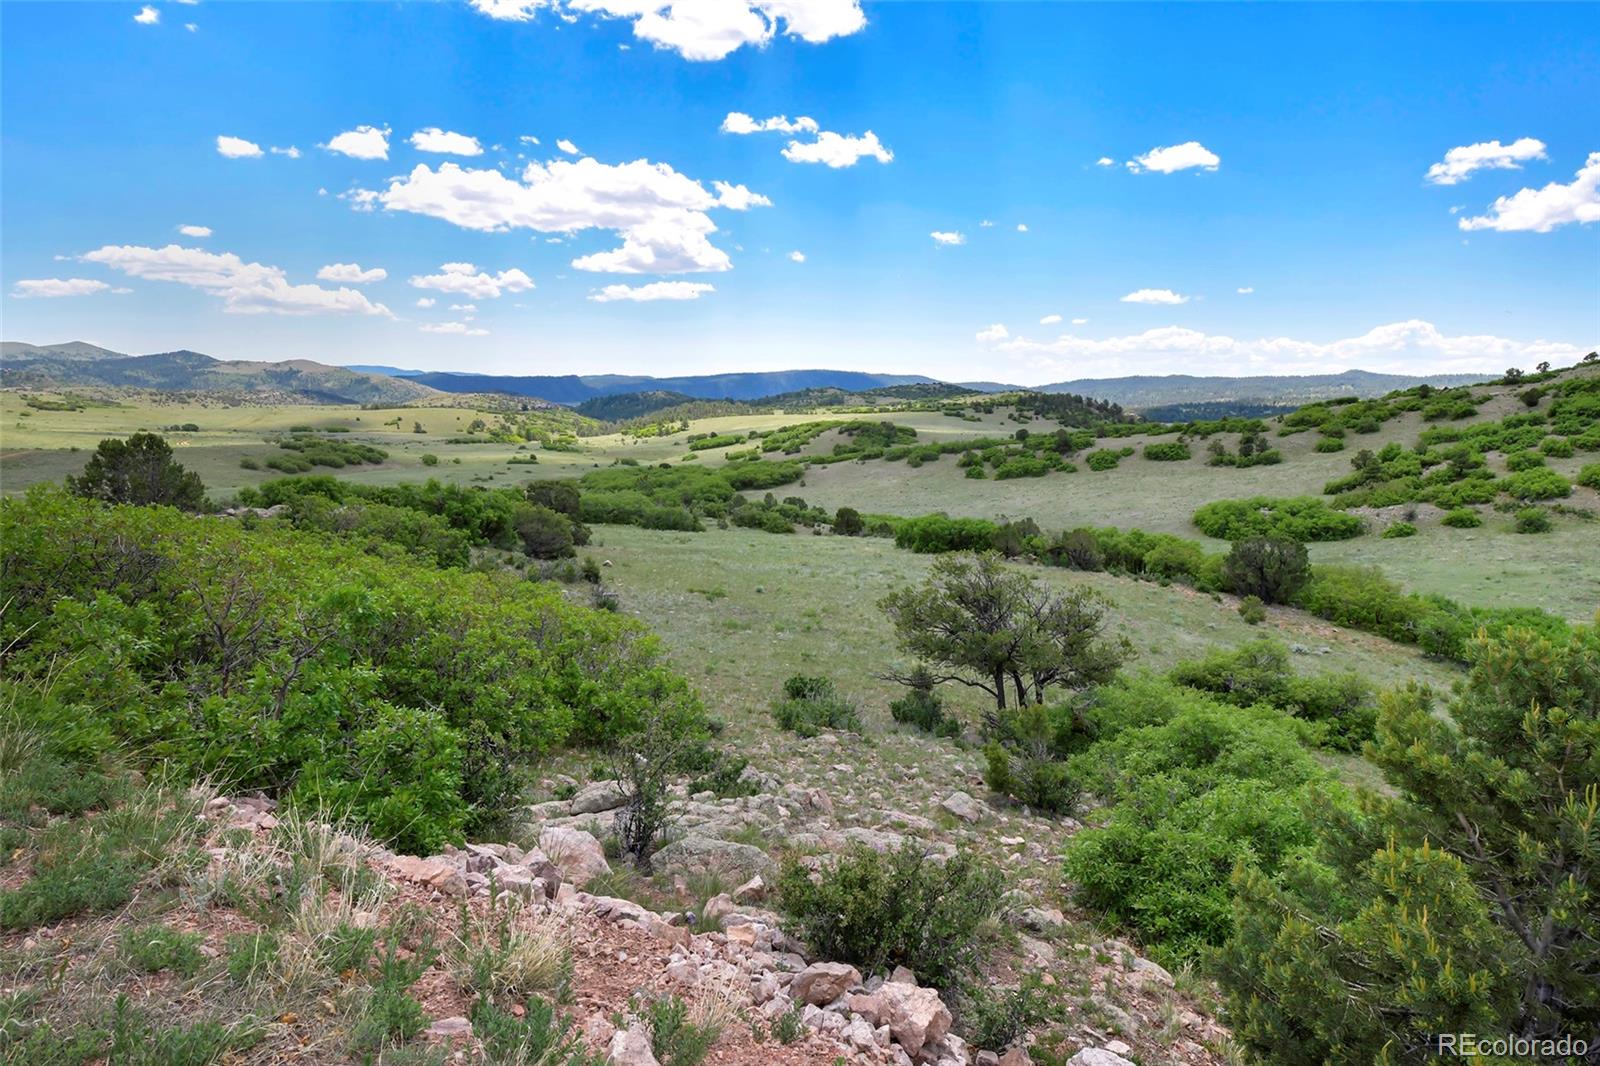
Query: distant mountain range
{"points": [[78, 364]]}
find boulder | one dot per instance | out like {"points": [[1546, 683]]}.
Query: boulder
{"points": [[916, 1017], [598, 797], [1015, 1056], [1041, 919], [577, 854], [436, 873], [752, 891], [823, 982], [696, 854], [1094, 1056], [631, 1047], [449, 1028], [962, 806]]}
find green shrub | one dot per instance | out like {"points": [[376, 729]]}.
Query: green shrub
{"points": [[429, 459], [1396, 530], [539, 1037], [1302, 518], [1166, 451], [1343, 705], [811, 704], [675, 1038], [1461, 518], [1589, 476], [1253, 610], [1539, 483], [938, 533], [1102, 459], [995, 1019], [1037, 781], [1533, 520], [1330, 444], [153, 948], [1556, 447], [1272, 569], [921, 706], [902, 909], [1524, 460]]}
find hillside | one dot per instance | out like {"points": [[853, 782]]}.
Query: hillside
{"points": [[574, 389], [1141, 391], [79, 365]]}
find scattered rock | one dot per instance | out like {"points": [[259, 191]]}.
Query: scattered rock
{"points": [[449, 1028], [696, 854], [962, 806], [752, 891], [631, 1047], [598, 797], [577, 854], [916, 1017], [435, 873], [1094, 1056], [823, 982]]}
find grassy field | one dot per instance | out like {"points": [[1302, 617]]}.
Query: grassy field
{"points": [[1489, 566], [741, 611]]}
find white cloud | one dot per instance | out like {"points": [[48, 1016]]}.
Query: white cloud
{"points": [[147, 16], [244, 288], [363, 142], [1459, 163], [1245, 290], [1080, 322], [738, 198], [460, 329], [838, 150], [192, 27], [1049, 320], [1154, 296], [797, 257], [948, 237], [568, 147], [426, 301], [351, 274], [1105, 161], [466, 309], [292, 152], [363, 200], [444, 142], [195, 231], [1022, 227], [237, 148], [993, 334], [661, 215], [702, 30], [987, 223], [656, 290], [49, 288], [1542, 210], [1176, 157], [741, 123], [1407, 346], [468, 280]]}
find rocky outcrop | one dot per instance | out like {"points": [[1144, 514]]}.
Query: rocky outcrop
{"points": [[698, 855], [577, 854]]}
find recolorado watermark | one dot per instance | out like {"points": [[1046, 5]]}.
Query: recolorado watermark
{"points": [[1472, 1045]]}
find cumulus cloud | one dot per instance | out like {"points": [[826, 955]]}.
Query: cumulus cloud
{"points": [[948, 237], [1400, 347], [426, 301], [661, 215], [244, 288], [1049, 320], [837, 149], [362, 200], [195, 231], [701, 30], [1154, 296], [1080, 322], [351, 274], [797, 257], [50, 288], [1459, 163], [741, 123], [1022, 227], [460, 329], [1542, 210], [237, 147], [363, 142], [147, 16], [993, 334], [656, 290], [292, 152], [834, 149], [1245, 290], [567, 147], [1185, 156], [468, 280], [1105, 161], [738, 198], [444, 142]]}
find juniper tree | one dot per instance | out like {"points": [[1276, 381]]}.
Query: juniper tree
{"points": [[1464, 902]]}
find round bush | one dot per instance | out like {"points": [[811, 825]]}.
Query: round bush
{"points": [[1398, 530], [1523, 460], [1556, 447], [1589, 476], [1540, 483], [1168, 451], [1330, 444], [1533, 520], [1462, 518]]}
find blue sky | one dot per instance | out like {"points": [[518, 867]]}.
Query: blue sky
{"points": [[1174, 154]]}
